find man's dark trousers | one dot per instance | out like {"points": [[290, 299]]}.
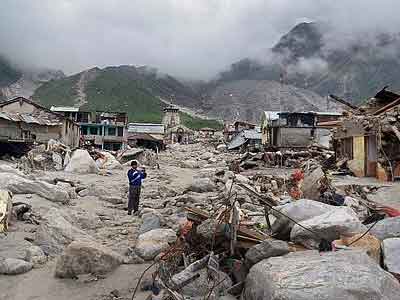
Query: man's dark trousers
{"points": [[134, 196]]}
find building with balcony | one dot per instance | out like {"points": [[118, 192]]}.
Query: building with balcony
{"points": [[104, 130]]}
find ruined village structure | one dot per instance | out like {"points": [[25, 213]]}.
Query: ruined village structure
{"points": [[223, 214], [24, 122]]}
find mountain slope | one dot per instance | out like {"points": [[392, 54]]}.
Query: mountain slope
{"points": [[123, 88], [307, 58], [247, 99]]}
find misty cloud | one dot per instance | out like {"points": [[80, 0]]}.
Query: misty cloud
{"points": [[191, 38]]}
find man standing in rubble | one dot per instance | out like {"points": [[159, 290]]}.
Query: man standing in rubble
{"points": [[135, 177]]}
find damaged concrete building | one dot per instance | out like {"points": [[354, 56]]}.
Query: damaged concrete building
{"points": [[296, 129], [104, 130], [147, 135], [368, 139], [23, 122]]}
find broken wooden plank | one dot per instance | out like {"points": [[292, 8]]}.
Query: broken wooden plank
{"points": [[245, 231], [262, 198]]}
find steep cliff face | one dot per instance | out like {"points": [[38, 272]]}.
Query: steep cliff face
{"points": [[247, 99], [312, 56]]}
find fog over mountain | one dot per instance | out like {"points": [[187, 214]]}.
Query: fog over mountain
{"points": [[191, 38]]}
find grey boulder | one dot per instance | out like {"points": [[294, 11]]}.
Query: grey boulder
{"points": [[264, 250], [86, 258], [153, 242], [387, 228], [150, 221], [391, 255], [13, 266], [103, 193], [311, 184], [21, 185], [299, 210], [342, 221], [35, 255], [309, 275], [55, 232], [202, 185]]}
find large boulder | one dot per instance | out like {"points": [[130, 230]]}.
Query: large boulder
{"points": [[341, 221], [206, 156], [366, 242], [55, 233], [83, 219], [311, 184], [387, 228], [202, 185], [10, 169], [35, 255], [190, 164], [84, 258], [264, 250], [299, 210], [103, 193], [81, 162], [391, 255], [108, 162], [14, 245], [13, 266], [153, 242], [150, 221], [21, 185], [309, 275]]}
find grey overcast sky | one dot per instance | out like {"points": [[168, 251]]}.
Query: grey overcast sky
{"points": [[191, 38]]}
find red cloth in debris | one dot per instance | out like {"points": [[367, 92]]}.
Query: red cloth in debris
{"points": [[390, 211]]}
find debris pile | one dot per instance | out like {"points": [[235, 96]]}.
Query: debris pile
{"points": [[228, 251], [51, 157]]}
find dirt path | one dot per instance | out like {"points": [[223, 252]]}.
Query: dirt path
{"points": [[40, 284]]}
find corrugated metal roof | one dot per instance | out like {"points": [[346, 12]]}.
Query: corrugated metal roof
{"points": [[237, 141], [252, 134], [243, 136], [151, 128], [272, 115], [27, 118], [64, 109], [328, 113]]}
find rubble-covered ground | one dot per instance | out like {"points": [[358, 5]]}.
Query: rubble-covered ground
{"points": [[75, 240]]}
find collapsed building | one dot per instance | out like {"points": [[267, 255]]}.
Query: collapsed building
{"points": [[231, 130], [368, 138], [296, 129], [24, 122], [249, 139], [147, 135]]}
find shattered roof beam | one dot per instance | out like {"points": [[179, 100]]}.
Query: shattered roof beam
{"points": [[342, 101]]}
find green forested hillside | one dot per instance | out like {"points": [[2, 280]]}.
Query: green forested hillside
{"points": [[123, 88]]}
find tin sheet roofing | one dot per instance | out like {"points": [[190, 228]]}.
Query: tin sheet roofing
{"points": [[151, 128], [64, 109], [28, 119]]}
